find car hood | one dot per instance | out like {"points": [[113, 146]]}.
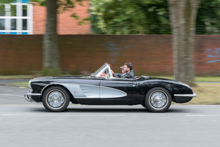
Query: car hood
{"points": [[155, 78], [60, 77]]}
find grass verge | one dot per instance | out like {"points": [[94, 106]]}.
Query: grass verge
{"points": [[207, 94], [197, 79], [16, 77], [19, 84]]}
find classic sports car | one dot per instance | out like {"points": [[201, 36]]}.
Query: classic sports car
{"points": [[101, 88]]}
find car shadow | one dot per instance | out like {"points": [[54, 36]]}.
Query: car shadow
{"points": [[114, 110]]}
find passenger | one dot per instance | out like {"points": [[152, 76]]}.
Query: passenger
{"points": [[129, 73]]}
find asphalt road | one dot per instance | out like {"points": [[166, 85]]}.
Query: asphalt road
{"points": [[24, 124]]}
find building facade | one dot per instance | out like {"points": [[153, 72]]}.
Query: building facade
{"points": [[24, 17]]}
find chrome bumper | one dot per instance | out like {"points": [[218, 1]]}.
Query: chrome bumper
{"points": [[185, 95], [28, 95]]}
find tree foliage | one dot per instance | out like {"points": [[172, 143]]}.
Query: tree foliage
{"points": [[2, 6], [208, 17], [129, 16], [6, 1], [148, 17], [65, 5]]}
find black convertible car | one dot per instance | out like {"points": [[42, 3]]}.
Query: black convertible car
{"points": [[101, 88]]}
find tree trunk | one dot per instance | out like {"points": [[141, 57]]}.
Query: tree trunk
{"points": [[183, 17], [50, 41]]}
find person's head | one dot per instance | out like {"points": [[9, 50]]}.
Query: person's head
{"points": [[128, 67]]}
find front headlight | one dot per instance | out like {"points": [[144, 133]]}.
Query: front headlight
{"points": [[29, 84]]}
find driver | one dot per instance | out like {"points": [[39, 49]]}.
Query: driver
{"points": [[129, 73]]}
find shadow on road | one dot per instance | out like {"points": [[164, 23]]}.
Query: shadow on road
{"points": [[114, 110]]}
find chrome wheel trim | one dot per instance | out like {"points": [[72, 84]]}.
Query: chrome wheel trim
{"points": [[55, 99], [158, 99]]}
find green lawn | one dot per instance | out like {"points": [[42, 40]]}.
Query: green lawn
{"points": [[207, 94], [16, 77], [198, 79], [19, 84]]}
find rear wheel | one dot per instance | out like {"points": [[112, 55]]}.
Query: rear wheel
{"points": [[158, 99], [56, 99]]}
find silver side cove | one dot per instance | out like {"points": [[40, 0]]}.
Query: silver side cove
{"points": [[83, 91], [90, 91], [106, 92]]}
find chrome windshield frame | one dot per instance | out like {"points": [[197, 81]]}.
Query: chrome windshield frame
{"points": [[102, 69]]}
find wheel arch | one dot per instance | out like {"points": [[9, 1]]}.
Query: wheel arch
{"points": [[72, 99], [159, 86]]}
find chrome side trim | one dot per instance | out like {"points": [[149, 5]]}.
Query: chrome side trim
{"points": [[186, 95], [33, 94]]}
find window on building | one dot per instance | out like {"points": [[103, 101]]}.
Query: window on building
{"points": [[24, 10], [2, 24], [16, 18], [13, 24]]}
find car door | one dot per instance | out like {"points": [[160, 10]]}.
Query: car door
{"points": [[118, 88]]}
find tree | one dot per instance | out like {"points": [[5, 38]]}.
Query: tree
{"points": [[183, 17], [50, 41], [51, 63]]}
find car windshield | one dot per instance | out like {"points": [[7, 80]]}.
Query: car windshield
{"points": [[97, 71], [104, 73]]}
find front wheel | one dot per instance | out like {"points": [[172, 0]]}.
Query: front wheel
{"points": [[158, 99], [56, 99]]}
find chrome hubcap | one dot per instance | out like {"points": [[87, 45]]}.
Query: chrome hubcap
{"points": [[158, 99], [55, 99]]}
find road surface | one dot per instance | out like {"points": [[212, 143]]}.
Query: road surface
{"points": [[25, 124]]}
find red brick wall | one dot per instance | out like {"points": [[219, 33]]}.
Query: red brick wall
{"points": [[150, 54], [207, 54], [66, 23]]}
